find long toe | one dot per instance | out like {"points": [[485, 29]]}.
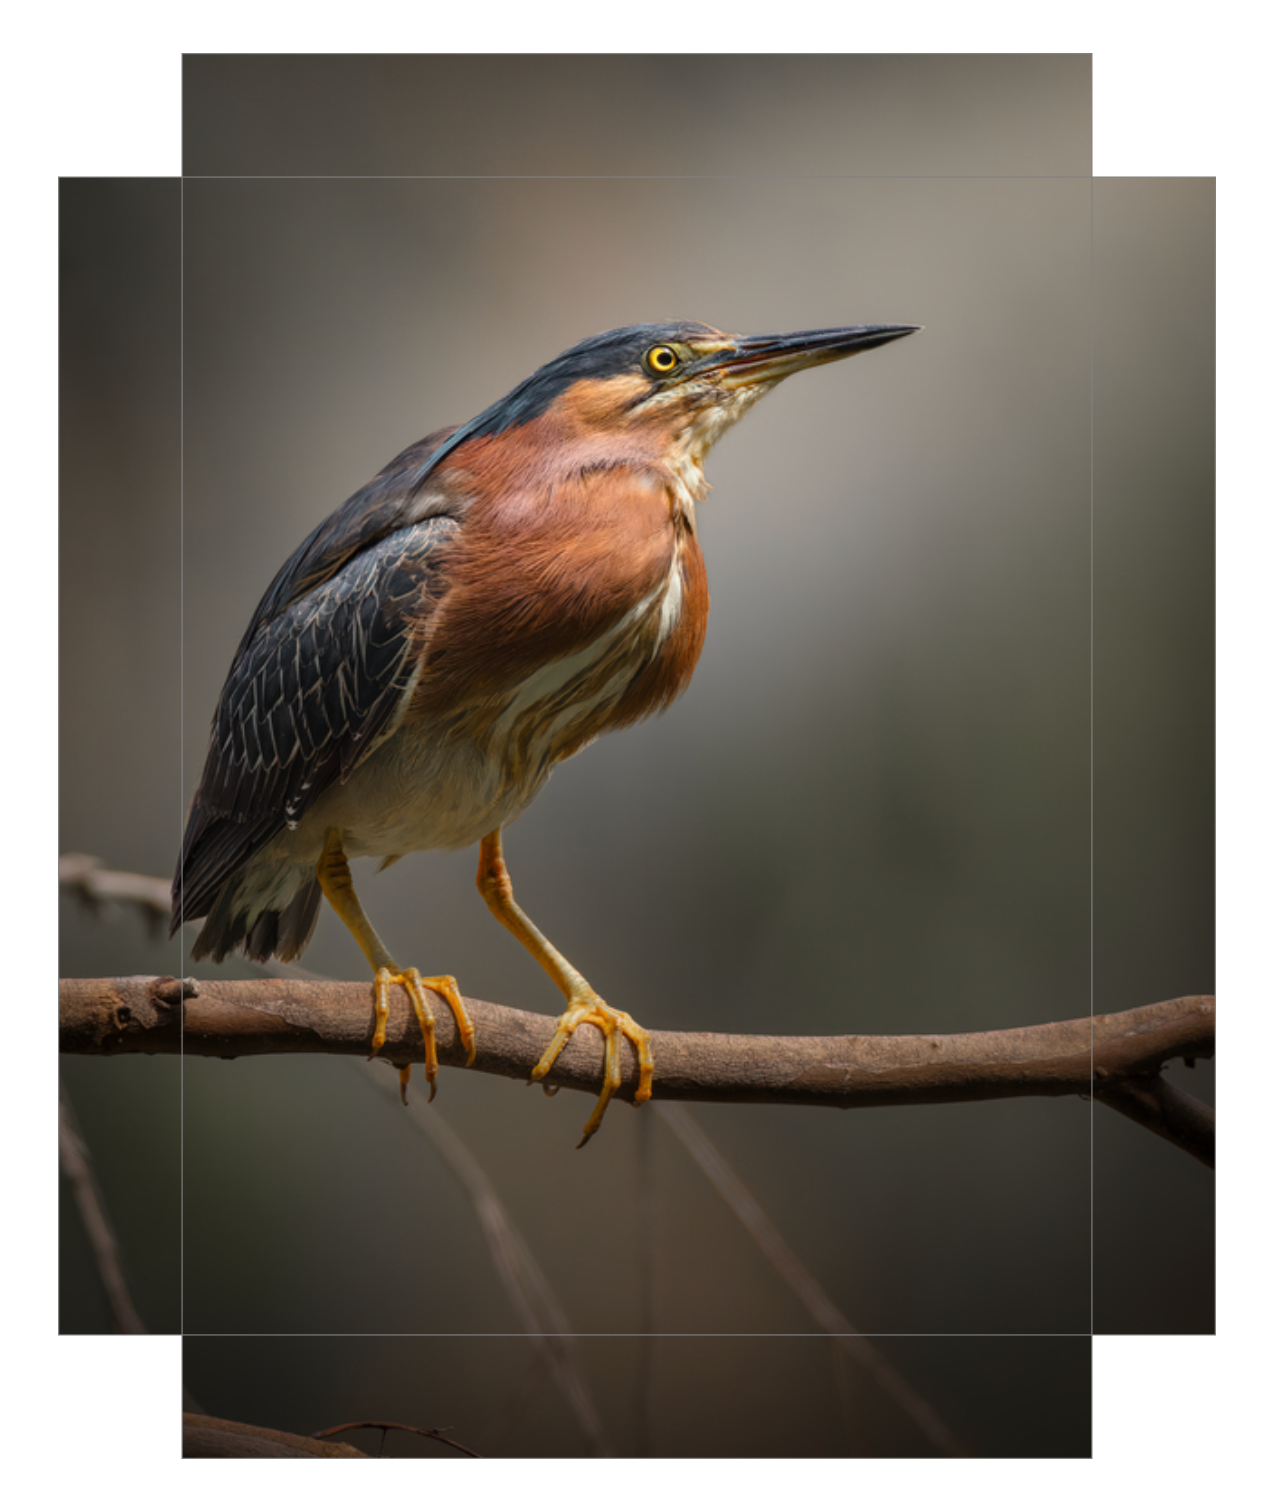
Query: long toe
{"points": [[447, 988], [614, 1025], [417, 987]]}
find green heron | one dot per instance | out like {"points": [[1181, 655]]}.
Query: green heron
{"points": [[498, 596]]}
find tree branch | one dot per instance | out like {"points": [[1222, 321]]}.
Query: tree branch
{"points": [[1115, 1057], [1171, 1113]]}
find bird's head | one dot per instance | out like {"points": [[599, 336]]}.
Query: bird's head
{"points": [[686, 382], [669, 388]]}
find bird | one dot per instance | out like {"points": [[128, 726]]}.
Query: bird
{"points": [[498, 596]]}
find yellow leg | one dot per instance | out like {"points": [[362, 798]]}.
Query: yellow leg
{"points": [[337, 883], [584, 1005]]}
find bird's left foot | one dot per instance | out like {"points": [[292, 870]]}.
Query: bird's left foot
{"points": [[614, 1025], [417, 987]]}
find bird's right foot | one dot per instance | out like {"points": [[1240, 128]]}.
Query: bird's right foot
{"points": [[615, 1026]]}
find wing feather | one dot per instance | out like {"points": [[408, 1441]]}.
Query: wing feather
{"points": [[398, 497], [311, 688]]}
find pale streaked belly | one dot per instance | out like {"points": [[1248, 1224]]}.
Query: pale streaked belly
{"points": [[439, 787]]}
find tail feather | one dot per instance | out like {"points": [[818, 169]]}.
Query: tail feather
{"points": [[261, 934]]}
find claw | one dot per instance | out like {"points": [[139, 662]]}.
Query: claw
{"points": [[495, 886], [614, 1025], [417, 988]]}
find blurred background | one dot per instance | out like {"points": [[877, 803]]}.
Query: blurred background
{"points": [[935, 572]]}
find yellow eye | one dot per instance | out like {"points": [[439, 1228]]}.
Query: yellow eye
{"points": [[661, 359]]}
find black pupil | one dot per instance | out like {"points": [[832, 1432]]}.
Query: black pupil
{"points": [[663, 359]]}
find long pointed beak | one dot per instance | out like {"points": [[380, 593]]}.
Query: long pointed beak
{"points": [[759, 359]]}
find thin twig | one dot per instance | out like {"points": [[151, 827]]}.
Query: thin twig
{"points": [[518, 1269], [78, 1168], [385, 1425], [819, 1305], [649, 1312]]}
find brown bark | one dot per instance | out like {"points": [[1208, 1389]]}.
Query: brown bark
{"points": [[1116, 1057]]}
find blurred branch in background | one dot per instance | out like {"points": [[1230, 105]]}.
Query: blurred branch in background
{"points": [[206, 1438], [848, 1342], [78, 1168], [541, 1312], [102, 890], [1102, 1056]]}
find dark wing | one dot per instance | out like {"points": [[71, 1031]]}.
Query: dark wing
{"points": [[394, 499], [313, 685]]}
